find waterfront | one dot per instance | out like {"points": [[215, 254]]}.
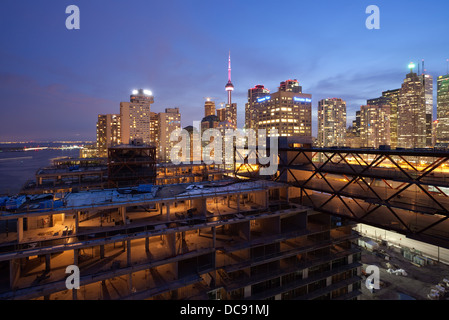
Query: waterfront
{"points": [[17, 167]]}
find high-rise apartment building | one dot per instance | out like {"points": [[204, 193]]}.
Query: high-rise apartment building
{"points": [[412, 124], [108, 133], [331, 122], [443, 109], [288, 110], [375, 125], [135, 117], [168, 121]]}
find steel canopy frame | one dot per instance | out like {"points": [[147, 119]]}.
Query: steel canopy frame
{"points": [[372, 164]]}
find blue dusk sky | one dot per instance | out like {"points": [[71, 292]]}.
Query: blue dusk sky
{"points": [[54, 81]]}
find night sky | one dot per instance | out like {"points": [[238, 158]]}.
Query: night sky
{"points": [[54, 81]]}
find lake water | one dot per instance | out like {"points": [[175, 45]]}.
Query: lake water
{"points": [[17, 167]]}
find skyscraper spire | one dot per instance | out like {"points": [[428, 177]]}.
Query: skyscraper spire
{"points": [[229, 86]]}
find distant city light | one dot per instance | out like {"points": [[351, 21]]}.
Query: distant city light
{"points": [[411, 65], [147, 92], [135, 92]]}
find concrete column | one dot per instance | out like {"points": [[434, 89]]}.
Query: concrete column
{"points": [[76, 253], [147, 244], [238, 202], [305, 273], [267, 197], [247, 292], [171, 243], [214, 238], [14, 272], [128, 253], [77, 222], [328, 281], [102, 251], [122, 211], [200, 205], [47, 262], [167, 205], [130, 282], [19, 229]]}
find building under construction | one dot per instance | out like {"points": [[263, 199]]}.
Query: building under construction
{"points": [[213, 240], [210, 239]]}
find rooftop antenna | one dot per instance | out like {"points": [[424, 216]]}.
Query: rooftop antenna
{"points": [[418, 68], [423, 70]]}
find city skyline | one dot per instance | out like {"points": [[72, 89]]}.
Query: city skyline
{"points": [[65, 78]]}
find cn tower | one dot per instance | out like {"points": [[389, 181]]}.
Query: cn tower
{"points": [[229, 86]]}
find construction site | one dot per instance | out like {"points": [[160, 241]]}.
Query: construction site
{"points": [[196, 232], [219, 238]]}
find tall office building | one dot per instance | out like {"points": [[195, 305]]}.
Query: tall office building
{"points": [[108, 133], [443, 109], [427, 84], [168, 121], [135, 117], [331, 122], [412, 124], [259, 91], [288, 110], [375, 125], [393, 101], [154, 130], [209, 108]]}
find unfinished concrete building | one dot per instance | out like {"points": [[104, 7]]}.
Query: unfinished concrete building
{"points": [[209, 240]]}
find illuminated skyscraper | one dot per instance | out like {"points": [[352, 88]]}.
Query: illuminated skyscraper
{"points": [[393, 101], [108, 133], [255, 93], [209, 107], [427, 83], [289, 111], [412, 125], [135, 117], [375, 125], [331, 122], [168, 121], [443, 109]]}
